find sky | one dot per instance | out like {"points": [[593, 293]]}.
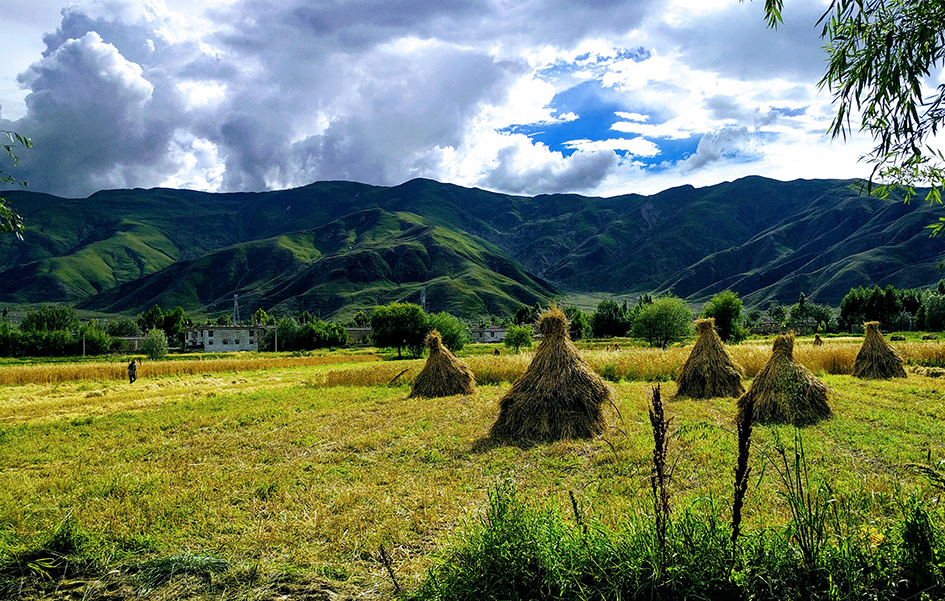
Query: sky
{"points": [[601, 97]]}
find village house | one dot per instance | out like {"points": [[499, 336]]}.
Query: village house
{"points": [[359, 335], [223, 339], [488, 334]]}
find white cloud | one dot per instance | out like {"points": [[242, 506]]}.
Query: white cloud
{"points": [[635, 146], [241, 95]]}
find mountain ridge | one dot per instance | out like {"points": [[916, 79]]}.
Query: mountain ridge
{"points": [[337, 247]]}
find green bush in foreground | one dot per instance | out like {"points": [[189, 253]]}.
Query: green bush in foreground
{"points": [[518, 551]]}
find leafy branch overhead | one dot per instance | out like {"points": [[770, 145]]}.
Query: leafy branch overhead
{"points": [[10, 221], [880, 54]]}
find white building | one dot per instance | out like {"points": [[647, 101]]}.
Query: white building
{"points": [[490, 334], [223, 339]]}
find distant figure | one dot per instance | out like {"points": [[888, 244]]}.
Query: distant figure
{"points": [[495, 352], [132, 371]]}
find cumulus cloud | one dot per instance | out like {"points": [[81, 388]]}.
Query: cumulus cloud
{"points": [[245, 95], [730, 143], [519, 172]]}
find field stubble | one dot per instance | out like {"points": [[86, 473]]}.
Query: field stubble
{"points": [[311, 469]]}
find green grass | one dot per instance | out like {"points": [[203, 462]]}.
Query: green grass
{"points": [[294, 486]]}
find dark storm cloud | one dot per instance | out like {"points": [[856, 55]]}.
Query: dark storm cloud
{"points": [[737, 43]]}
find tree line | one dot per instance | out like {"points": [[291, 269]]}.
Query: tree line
{"points": [[55, 330]]}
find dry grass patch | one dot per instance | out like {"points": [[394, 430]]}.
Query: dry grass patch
{"points": [[271, 470], [67, 372]]}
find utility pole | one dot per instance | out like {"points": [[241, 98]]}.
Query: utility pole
{"points": [[236, 309]]}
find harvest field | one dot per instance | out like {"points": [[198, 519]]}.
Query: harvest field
{"points": [[283, 481]]}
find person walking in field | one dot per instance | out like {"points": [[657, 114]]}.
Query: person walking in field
{"points": [[132, 371]]}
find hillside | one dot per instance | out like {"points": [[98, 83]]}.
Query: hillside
{"points": [[337, 247]]}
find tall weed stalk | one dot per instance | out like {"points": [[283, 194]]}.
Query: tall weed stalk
{"points": [[809, 504], [659, 476], [742, 472]]}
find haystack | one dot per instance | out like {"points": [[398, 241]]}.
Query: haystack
{"points": [[443, 374], [877, 359], [786, 392], [709, 371], [558, 396]]}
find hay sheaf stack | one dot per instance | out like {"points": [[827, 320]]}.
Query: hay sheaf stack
{"points": [[559, 396], [877, 359], [786, 392], [443, 374], [709, 371]]}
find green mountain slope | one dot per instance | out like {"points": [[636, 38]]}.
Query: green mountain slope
{"points": [[333, 247], [357, 262]]}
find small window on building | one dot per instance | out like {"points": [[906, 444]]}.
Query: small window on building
{"points": [[210, 334], [237, 341], [225, 341]]}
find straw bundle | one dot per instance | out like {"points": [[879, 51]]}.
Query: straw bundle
{"points": [[784, 391], [558, 396], [877, 359], [443, 374], [709, 371]]}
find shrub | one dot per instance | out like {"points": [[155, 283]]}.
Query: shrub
{"points": [[518, 337], [154, 344], [663, 322], [400, 325], [454, 333], [726, 309]]}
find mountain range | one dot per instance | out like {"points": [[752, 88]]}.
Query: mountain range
{"points": [[334, 248]]}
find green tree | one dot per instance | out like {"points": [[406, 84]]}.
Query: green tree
{"points": [[879, 55], [224, 320], [94, 339], [611, 319], [50, 318], [668, 319], [318, 334], [122, 326], [262, 318], [10, 220], [931, 316], [174, 323], [400, 326], [360, 319], [518, 337], [726, 309], [154, 343], [455, 333], [806, 316], [776, 313], [150, 319], [580, 322]]}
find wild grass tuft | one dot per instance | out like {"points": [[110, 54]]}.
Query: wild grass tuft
{"points": [[157, 572], [519, 550]]}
